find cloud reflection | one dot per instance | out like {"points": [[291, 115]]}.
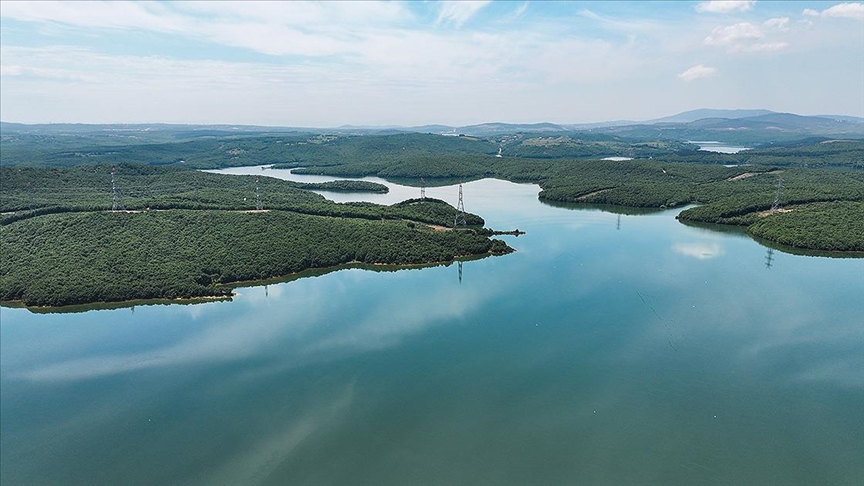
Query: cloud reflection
{"points": [[260, 460], [702, 251], [295, 326]]}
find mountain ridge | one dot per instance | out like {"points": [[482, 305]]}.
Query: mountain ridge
{"points": [[699, 119]]}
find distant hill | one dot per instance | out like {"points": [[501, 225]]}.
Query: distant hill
{"points": [[490, 129], [734, 126], [778, 122], [591, 126], [846, 118], [702, 113], [770, 127], [431, 129]]}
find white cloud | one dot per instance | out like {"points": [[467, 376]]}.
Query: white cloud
{"points": [[748, 37], [45, 72], [625, 26], [351, 62], [118, 15], [733, 34], [157, 17], [273, 28], [697, 72], [302, 13], [853, 11], [846, 10], [457, 13], [777, 23], [6, 70], [725, 6], [764, 47], [520, 10]]}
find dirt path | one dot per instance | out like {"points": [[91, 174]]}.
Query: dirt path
{"points": [[751, 174], [591, 194]]}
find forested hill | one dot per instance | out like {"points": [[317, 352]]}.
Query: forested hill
{"points": [[183, 233], [67, 182], [317, 150]]}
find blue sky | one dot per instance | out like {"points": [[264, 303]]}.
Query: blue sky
{"points": [[413, 63]]}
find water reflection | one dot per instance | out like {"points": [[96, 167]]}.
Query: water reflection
{"points": [[769, 258], [699, 250], [265, 455], [608, 208], [383, 322], [512, 376]]}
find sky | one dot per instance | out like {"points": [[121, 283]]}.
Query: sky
{"points": [[329, 64]]}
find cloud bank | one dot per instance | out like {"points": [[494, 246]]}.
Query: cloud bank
{"points": [[725, 6], [697, 72], [413, 63], [853, 11]]}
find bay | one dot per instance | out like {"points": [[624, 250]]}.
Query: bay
{"points": [[609, 349]]}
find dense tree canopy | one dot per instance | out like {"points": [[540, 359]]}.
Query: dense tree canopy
{"points": [[186, 233], [189, 232], [108, 256]]}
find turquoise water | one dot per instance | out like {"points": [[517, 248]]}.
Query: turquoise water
{"points": [[609, 349]]}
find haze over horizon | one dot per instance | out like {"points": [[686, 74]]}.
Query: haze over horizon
{"points": [[408, 63]]}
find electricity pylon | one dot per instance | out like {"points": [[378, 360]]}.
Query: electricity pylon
{"points": [[257, 195], [116, 196], [460, 211], [776, 205]]}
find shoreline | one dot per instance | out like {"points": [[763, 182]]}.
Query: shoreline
{"points": [[721, 227], [309, 272], [743, 230]]}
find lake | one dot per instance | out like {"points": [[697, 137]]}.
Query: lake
{"points": [[609, 349], [718, 147]]}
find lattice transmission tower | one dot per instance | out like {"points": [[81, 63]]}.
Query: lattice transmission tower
{"points": [[460, 211], [423, 189], [776, 205], [116, 195], [257, 195]]}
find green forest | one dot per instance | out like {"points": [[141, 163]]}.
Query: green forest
{"points": [[27, 192], [104, 256], [185, 233], [57, 192]]}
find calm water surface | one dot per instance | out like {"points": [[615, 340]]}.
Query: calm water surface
{"points": [[719, 147], [609, 349]]}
